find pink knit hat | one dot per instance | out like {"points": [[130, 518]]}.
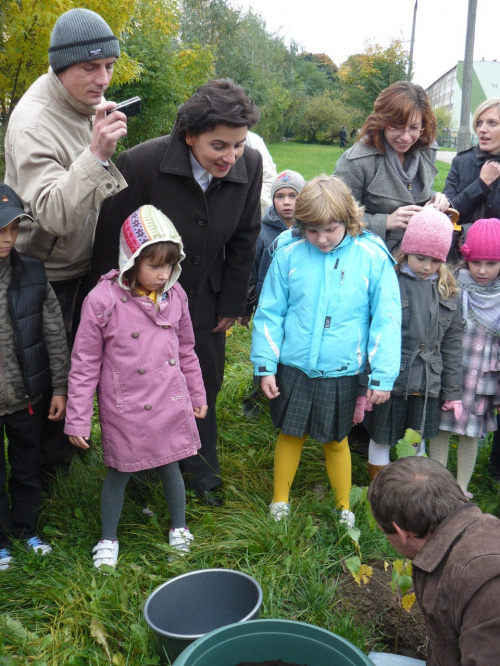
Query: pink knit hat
{"points": [[483, 241], [429, 232]]}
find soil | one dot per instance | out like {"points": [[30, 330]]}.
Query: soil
{"points": [[376, 604]]}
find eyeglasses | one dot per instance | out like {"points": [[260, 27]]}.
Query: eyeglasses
{"points": [[412, 131]]}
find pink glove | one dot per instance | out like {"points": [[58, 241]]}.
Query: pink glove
{"points": [[359, 412], [455, 406]]}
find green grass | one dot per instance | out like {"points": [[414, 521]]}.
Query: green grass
{"points": [[59, 610], [311, 160]]}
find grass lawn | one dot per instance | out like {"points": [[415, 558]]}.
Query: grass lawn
{"points": [[311, 160], [59, 611]]}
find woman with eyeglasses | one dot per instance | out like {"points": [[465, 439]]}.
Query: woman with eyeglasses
{"points": [[391, 167]]}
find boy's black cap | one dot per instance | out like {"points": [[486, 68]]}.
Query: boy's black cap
{"points": [[10, 206]]}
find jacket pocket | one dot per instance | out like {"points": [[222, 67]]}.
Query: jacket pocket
{"points": [[447, 309], [120, 404]]}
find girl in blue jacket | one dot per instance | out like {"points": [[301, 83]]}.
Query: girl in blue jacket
{"points": [[329, 304]]}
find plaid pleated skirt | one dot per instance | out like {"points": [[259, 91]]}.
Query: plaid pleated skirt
{"points": [[387, 423], [321, 407]]}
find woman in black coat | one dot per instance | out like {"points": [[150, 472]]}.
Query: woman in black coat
{"points": [[472, 185], [204, 179]]}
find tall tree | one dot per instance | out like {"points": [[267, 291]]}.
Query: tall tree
{"points": [[169, 74], [364, 75]]}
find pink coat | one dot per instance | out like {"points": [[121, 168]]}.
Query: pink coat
{"points": [[147, 375]]}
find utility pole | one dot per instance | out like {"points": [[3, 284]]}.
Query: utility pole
{"points": [[412, 42], [463, 139]]}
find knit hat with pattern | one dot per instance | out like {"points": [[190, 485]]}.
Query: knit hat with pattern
{"points": [[78, 36], [429, 233], [287, 178], [482, 241], [146, 226]]}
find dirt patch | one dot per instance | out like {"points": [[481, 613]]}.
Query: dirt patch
{"points": [[376, 604]]}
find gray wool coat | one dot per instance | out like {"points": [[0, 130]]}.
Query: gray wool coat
{"points": [[376, 185]]}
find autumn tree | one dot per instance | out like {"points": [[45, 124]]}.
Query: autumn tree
{"points": [[363, 76], [170, 72], [245, 52], [322, 116]]}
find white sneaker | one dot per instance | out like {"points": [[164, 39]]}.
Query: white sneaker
{"points": [[105, 552], [279, 510], [40, 547], [347, 518], [5, 559], [180, 538]]}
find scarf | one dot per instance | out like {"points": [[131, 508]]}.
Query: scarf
{"points": [[480, 303], [408, 173]]}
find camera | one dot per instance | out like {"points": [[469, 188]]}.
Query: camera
{"points": [[130, 107]]}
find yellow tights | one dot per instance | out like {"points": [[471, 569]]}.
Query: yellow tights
{"points": [[286, 462]]}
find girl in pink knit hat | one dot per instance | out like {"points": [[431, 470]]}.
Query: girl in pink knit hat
{"points": [[479, 281], [431, 332]]}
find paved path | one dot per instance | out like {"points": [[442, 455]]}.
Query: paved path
{"points": [[445, 156]]}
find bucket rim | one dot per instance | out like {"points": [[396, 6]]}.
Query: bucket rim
{"points": [[194, 637], [253, 626]]}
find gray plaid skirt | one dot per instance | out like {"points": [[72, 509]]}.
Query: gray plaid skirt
{"points": [[321, 407], [387, 423]]}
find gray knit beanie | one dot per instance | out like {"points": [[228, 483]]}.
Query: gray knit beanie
{"points": [[78, 36], [287, 178]]}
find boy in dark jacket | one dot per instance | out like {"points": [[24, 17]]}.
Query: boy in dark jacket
{"points": [[279, 216], [33, 357]]}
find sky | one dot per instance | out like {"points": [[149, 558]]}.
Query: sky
{"points": [[341, 29]]}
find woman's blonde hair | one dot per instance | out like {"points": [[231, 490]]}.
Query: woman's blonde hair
{"points": [[326, 199], [493, 103], [447, 285]]}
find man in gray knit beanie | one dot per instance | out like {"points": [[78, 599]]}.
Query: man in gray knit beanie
{"points": [[81, 35], [58, 146]]}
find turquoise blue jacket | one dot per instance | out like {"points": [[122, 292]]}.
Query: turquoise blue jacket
{"points": [[328, 314]]}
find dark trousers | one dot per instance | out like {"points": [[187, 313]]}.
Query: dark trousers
{"points": [[202, 471], [56, 452], [23, 435], [495, 452]]}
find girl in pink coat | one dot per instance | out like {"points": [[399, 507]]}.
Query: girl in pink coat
{"points": [[135, 344]]}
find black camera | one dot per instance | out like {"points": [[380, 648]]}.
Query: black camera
{"points": [[130, 107]]}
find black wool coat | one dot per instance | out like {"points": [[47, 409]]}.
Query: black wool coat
{"points": [[219, 230]]}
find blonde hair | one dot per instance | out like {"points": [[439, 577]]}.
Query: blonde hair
{"points": [[326, 199], [447, 285], [493, 103]]}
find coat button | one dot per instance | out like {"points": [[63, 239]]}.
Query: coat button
{"points": [[421, 346], [196, 260], [124, 299], [135, 334], [165, 326], [191, 293], [202, 222], [141, 371], [148, 407], [172, 361]]}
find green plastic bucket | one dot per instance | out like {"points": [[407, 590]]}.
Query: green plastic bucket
{"points": [[187, 607], [270, 640]]}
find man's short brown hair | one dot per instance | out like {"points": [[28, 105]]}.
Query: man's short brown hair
{"points": [[415, 493]]}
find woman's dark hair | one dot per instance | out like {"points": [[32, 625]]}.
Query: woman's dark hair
{"points": [[162, 252], [395, 107], [220, 101]]}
